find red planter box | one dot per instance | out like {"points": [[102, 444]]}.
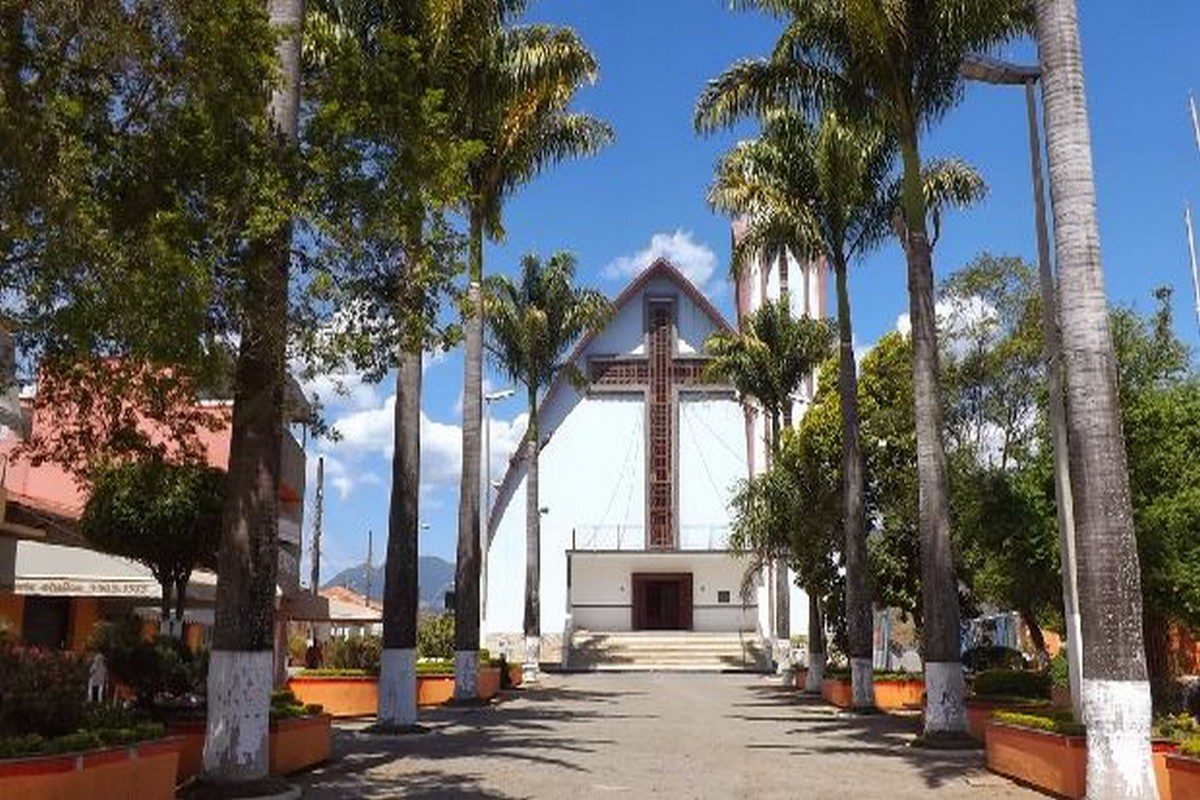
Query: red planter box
{"points": [[1182, 777], [981, 709], [890, 694], [1048, 761], [293, 745], [143, 771]]}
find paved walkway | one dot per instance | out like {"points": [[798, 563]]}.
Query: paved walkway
{"points": [[640, 735]]}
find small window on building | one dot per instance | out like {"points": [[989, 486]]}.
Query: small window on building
{"points": [[723, 596], [45, 622]]}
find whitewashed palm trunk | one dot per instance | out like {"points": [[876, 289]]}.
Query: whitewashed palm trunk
{"points": [[532, 624], [1115, 688], [241, 666], [401, 598]]}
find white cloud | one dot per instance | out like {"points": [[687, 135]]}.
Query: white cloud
{"points": [[955, 317], [695, 260], [369, 432]]}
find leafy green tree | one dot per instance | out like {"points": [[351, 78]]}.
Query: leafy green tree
{"points": [[830, 192], [518, 83], [166, 516], [388, 166], [768, 360], [898, 64], [531, 323]]}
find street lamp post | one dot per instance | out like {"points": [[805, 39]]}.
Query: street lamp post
{"points": [[989, 70], [485, 507]]}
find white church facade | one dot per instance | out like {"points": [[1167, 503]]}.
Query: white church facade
{"points": [[636, 476]]}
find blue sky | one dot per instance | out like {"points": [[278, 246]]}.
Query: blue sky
{"points": [[648, 189]]}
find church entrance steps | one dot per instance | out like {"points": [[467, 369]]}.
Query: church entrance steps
{"points": [[636, 651]]}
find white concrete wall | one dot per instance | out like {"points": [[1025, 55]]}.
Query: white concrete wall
{"points": [[712, 461], [602, 593], [592, 473]]}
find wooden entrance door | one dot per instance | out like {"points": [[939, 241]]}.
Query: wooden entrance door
{"points": [[662, 601]]}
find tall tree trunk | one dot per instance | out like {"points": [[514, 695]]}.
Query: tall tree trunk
{"points": [[860, 620], [816, 644], [1036, 636], [945, 711], [533, 544], [241, 665], [1116, 691], [782, 587], [398, 663], [466, 572]]}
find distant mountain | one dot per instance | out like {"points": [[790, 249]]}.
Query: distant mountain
{"points": [[435, 577]]}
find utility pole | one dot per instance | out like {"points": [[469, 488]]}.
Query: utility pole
{"points": [[1191, 237], [990, 70], [317, 512], [370, 535]]}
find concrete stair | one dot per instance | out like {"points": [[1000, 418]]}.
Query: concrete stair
{"points": [[666, 651]]}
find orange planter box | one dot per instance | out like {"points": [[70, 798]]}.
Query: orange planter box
{"points": [[293, 745], [1182, 776], [981, 709], [146, 770], [1048, 761], [893, 695], [890, 694], [436, 690], [516, 675], [837, 692], [800, 677], [339, 696], [300, 743]]}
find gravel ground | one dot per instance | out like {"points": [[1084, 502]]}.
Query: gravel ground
{"points": [[642, 735]]}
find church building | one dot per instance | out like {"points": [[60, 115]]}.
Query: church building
{"points": [[636, 475]]}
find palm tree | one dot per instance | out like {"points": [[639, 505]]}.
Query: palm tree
{"points": [[768, 360], [382, 76], [897, 63], [517, 89], [831, 191], [1115, 690], [240, 674], [531, 324]]}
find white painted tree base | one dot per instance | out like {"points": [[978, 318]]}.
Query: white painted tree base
{"points": [[398, 688], [239, 703], [1118, 716], [945, 698], [466, 675], [816, 673], [531, 668], [862, 683]]}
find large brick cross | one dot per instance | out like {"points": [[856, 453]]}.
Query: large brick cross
{"points": [[658, 374]]}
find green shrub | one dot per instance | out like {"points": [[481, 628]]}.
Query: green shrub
{"points": [[78, 741], [155, 669], [1012, 683], [992, 657], [354, 652], [1191, 747], [329, 672], [844, 674], [1055, 721], [435, 666], [1177, 727], [435, 636], [42, 692], [1060, 677]]}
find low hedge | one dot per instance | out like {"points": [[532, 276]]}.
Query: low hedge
{"points": [[1177, 727], [1191, 747], [284, 705], [335, 673], [1050, 721], [1011, 683], [843, 674], [35, 745]]}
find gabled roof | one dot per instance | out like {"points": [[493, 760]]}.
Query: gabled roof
{"points": [[660, 268]]}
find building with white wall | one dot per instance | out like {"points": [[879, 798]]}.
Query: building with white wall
{"points": [[636, 474]]}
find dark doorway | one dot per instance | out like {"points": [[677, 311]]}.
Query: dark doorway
{"points": [[45, 622], [662, 602]]}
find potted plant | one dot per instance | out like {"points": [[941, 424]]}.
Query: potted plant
{"points": [[894, 690]]}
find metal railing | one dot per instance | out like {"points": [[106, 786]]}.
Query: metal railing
{"points": [[632, 538]]}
